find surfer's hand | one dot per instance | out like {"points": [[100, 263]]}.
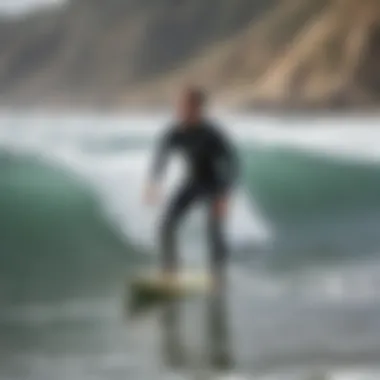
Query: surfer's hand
{"points": [[151, 195], [221, 206]]}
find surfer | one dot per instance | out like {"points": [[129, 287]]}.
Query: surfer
{"points": [[211, 177]]}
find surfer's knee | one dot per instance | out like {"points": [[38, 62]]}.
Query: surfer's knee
{"points": [[172, 218], [168, 224], [218, 242]]}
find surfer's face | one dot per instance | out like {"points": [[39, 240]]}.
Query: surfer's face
{"points": [[189, 108]]}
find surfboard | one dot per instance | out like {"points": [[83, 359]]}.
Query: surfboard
{"points": [[158, 286]]}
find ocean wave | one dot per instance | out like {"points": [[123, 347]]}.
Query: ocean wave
{"points": [[55, 238], [294, 185]]}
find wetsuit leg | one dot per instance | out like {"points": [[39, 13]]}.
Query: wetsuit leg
{"points": [[217, 240], [175, 211]]}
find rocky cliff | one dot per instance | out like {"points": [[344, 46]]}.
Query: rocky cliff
{"points": [[249, 53]]}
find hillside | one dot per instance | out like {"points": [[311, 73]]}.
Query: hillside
{"points": [[302, 54], [331, 62], [93, 51], [249, 53]]}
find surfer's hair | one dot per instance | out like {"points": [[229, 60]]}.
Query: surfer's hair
{"points": [[197, 96]]}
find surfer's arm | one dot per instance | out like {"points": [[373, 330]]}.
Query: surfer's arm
{"points": [[158, 167], [227, 161], [160, 158]]}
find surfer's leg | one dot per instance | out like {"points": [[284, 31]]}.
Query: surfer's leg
{"points": [[218, 245], [175, 211]]}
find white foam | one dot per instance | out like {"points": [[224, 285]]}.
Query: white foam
{"points": [[123, 181]]}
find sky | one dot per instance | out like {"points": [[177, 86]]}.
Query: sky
{"points": [[17, 6]]}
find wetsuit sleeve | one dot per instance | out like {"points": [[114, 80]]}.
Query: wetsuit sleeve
{"points": [[227, 162], [160, 158]]}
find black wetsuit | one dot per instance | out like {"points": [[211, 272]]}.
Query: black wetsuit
{"points": [[212, 172]]}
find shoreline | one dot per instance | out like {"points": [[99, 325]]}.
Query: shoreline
{"points": [[141, 110]]}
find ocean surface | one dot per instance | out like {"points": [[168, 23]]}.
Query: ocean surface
{"points": [[303, 301]]}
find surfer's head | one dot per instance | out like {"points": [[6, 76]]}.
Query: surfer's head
{"points": [[191, 105]]}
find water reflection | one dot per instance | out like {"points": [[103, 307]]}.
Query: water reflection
{"points": [[219, 337], [218, 353]]}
